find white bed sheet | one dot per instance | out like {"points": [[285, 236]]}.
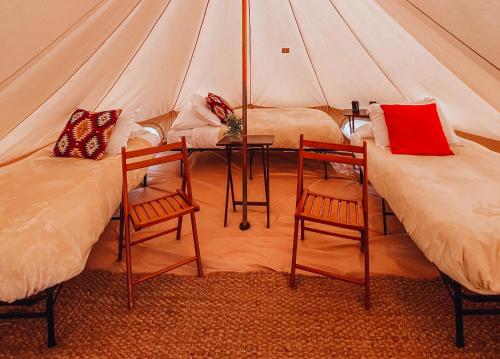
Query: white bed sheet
{"points": [[286, 124], [52, 211], [450, 207]]}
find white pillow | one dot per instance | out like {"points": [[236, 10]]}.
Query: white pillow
{"points": [[188, 119], [139, 131], [364, 131], [199, 105], [119, 136], [380, 128]]}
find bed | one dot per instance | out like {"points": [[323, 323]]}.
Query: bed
{"points": [[52, 211], [450, 207], [286, 124]]}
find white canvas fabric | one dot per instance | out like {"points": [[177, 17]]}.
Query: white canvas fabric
{"points": [[149, 57]]}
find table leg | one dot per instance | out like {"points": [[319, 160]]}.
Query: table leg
{"points": [[228, 163], [265, 154], [231, 176]]}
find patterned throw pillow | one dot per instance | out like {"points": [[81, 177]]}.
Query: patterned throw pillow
{"points": [[219, 106], [86, 134]]}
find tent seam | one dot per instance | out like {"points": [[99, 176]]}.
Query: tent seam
{"points": [[64, 33], [308, 54], [452, 35], [366, 50], [74, 73], [192, 56], [133, 56]]}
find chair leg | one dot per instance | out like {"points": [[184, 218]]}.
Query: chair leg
{"points": [[196, 245], [128, 260], [302, 231], [367, 271], [362, 243], [294, 253], [120, 236], [179, 228]]}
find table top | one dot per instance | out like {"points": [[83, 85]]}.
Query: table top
{"points": [[252, 140], [363, 113]]}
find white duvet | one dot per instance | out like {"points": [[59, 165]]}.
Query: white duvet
{"points": [[52, 211], [450, 207], [286, 124]]}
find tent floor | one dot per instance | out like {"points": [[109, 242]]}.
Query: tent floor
{"points": [[260, 248], [254, 315]]}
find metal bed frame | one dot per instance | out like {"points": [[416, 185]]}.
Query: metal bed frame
{"points": [[48, 295], [458, 295]]}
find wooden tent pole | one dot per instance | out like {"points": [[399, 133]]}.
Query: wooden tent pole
{"points": [[244, 225]]}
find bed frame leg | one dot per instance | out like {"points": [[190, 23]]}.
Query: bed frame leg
{"points": [[384, 216], [459, 319], [51, 335], [252, 153]]}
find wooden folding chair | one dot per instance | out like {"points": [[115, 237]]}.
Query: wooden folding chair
{"points": [[149, 213], [332, 211]]}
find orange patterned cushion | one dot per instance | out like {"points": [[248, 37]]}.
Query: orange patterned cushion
{"points": [[86, 134], [219, 106]]}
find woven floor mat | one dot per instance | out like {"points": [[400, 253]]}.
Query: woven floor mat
{"points": [[251, 315]]}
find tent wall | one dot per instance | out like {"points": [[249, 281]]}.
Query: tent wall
{"points": [[148, 57]]}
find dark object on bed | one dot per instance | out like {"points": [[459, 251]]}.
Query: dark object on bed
{"points": [[50, 296]]}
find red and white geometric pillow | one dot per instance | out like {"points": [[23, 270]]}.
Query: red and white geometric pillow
{"points": [[86, 134], [219, 106]]}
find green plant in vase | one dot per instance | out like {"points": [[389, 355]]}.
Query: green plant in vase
{"points": [[234, 126]]}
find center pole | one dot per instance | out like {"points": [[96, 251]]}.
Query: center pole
{"points": [[244, 225]]}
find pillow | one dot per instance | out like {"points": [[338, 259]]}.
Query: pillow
{"points": [[364, 131], [219, 106], [86, 134], [199, 105], [119, 136], [380, 129], [188, 119], [415, 130]]}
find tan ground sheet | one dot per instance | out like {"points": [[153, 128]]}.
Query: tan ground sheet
{"points": [[450, 206], [52, 210], [229, 249]]}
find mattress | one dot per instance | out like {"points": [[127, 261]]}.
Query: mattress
{"points": [[450, 207], [52, 211], [286, 124]]}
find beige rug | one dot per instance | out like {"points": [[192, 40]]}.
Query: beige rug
{"points": [[260, 248], [252, 315]]}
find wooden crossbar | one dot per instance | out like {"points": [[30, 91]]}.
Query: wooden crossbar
{"points": [[333, 158], [329, 274], [332, 146], [329, 233], [154, 161], [153, 150], [164, 270]]}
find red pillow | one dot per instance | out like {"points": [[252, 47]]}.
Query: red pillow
{"points": [[415, 130], [86, 134], [219, 106]]}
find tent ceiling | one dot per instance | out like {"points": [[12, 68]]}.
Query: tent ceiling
{"points": [[148, 57]]}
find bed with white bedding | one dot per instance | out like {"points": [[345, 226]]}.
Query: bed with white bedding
{"points": [[286, 124], [450, 207], [52, 211]]}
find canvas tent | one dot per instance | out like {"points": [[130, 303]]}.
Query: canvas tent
{"points": [[149, 56]]}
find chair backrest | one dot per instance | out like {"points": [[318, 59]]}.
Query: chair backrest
{"points": [[131, 166], [342, 154]]}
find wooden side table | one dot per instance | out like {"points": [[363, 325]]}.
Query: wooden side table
{"points": [[262, 142], [350, 115]]}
